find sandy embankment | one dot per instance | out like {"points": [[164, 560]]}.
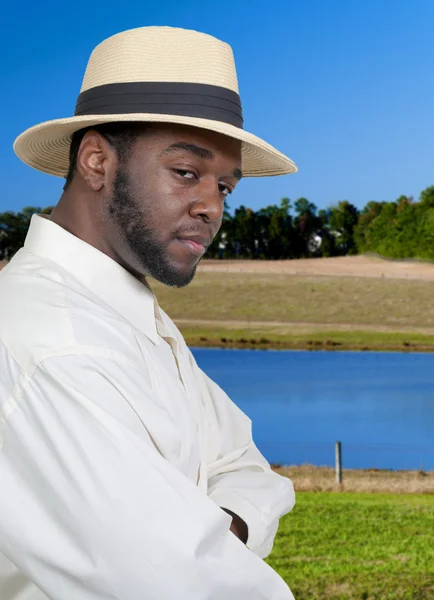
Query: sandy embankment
{"points": [[344, 266]]}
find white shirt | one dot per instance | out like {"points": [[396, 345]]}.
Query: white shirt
{"points": [[116, 450]]}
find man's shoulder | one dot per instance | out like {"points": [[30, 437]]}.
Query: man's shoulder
{"points": [[43, 309]]}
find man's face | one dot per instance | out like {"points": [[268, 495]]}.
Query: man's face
{"points": [[168, 199]]}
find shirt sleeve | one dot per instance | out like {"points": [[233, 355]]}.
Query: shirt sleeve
{"points": [[239, 477], [90, 509]]}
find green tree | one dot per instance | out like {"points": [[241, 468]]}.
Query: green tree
{"points": [[427, 197], [306, 224], [362, 234], [342, 221], [275, 233]]}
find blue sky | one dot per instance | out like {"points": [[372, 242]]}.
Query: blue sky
{"points": [[345, 88]]}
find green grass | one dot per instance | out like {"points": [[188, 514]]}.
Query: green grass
{"points": [[357, 547]]}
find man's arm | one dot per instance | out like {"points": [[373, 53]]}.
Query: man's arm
{"points": [[238, 526], [240, 480], [90, 509]]}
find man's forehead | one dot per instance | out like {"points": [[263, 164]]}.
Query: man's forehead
{"points": [[180, 135]]}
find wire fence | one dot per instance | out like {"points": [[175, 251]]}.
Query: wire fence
{"points": [[350, 455]]}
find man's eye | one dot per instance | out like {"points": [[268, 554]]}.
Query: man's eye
{"points": [[185, 174], [224, 189]]}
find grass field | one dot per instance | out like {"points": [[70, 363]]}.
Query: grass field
{"points": [[357, 547], [304, 299], [262, 309]]}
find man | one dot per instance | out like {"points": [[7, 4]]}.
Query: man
{"points": [[125, 472]]}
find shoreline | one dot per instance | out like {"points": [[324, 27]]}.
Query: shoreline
{"points": [[328, 345]]}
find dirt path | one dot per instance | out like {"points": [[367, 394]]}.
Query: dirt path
{"points": [[344, 266]]}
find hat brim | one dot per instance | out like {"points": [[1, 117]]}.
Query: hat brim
{"points": [[45, 147]]}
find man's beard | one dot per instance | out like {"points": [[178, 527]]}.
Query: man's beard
{"points": [[131, 219]]}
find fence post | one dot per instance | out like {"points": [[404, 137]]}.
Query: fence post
{"points": [[338, 451]]}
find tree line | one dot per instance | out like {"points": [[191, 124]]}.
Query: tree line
{"points": [[403, 228]]}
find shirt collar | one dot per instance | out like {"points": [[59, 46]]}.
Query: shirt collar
{"points": [[96, 271]]}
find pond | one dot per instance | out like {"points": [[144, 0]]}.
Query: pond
{"points": [[380, 405]]}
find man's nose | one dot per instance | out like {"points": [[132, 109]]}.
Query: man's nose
{"points": [[209, 204]]}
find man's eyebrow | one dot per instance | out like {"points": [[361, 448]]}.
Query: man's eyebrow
{"points": [[237, 174], [199, 151], [193, 148]]}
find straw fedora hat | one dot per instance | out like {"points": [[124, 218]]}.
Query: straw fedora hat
{"points": [[155, 74]]}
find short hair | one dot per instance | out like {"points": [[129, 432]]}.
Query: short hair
{"points": [[121, 136]]}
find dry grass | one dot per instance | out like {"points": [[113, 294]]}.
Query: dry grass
{"points": [[284, 299], [308, 478]]}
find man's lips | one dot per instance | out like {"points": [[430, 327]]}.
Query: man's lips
{"points": [[197, 244]]}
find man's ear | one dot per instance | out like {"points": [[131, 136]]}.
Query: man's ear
{"points": [[96, 161]]}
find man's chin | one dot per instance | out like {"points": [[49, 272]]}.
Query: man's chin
{"points": [[185, 279], [174, 277]]}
